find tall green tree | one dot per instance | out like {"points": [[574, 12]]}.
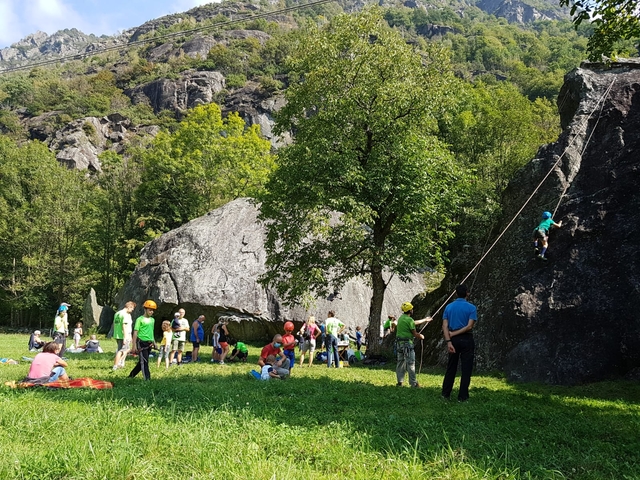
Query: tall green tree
{"points": [[43, 226], [612, 21], [207, 162], [116, 237], [366, 187]]}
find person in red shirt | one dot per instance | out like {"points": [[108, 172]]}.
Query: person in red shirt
{"points": [[282, 363], [289, 344]]}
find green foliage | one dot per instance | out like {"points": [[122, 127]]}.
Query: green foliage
{"points": [[115, 236], [613, 21], [43, 225], [493, 131], [207, 162], [366, 172], [337, 425], [481, 44]]}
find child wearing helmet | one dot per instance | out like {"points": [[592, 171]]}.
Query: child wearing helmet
{"points": [[143, 340], [405, 333], [541, 234], [289, 343]]}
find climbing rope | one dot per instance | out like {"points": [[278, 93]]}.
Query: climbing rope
{"points": [[584, 125]]}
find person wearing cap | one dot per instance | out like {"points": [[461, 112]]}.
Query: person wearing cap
{"points": [[541, 234], [142, 340], [406, 354], [458, 320], [35, 343], [61, 327], [180, 327]]}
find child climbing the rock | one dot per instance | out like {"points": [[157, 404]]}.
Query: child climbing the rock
{"points": [[541, 234]]}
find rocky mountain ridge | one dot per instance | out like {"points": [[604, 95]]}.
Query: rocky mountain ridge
{"points": [[71, 42]]}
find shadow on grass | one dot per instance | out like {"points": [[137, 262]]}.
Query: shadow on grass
{"points": [[535, 428]]}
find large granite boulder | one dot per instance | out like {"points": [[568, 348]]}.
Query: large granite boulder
{"points": [[92, 311], [574, 317], [211, 266]]}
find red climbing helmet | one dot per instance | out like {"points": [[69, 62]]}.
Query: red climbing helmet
{"points": [[288, 326]]}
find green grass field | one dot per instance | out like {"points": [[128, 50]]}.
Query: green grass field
{"points": [[213, 421]]}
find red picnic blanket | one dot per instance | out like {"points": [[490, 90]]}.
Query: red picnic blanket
{"points": [[75, 383]]}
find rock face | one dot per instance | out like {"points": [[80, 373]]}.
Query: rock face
{"points": [[91, 311], [572, 318], [211, 266], [79, 143], [190, 90], [257, 108], [40, 46], [520, 12]]}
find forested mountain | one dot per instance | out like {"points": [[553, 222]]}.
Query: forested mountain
{"points": [[144, 122]]}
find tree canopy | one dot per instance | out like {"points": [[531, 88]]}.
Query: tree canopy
{"points": [[612, 20], [367, 186]]}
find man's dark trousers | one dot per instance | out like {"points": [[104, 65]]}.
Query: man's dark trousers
{"points": [[465, 348]]}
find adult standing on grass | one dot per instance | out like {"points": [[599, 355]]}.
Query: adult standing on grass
{"points": [[180, 328], [122, 328], [61, 327], [334, 327], [197, 336], [281, 365], [406, 354], [457, 322], [142, 339], [310, 333], [223, 340]]}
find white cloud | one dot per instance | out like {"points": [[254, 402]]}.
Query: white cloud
{"points": [[51, 16], [9, 26]]}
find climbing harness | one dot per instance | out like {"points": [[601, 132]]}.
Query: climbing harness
{"points": [[599, 105]]}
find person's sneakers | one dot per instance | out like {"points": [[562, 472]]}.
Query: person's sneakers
{"points": [[399, 384], [114, 368], [221, 363], [213, 360], [415, 385], [542, 258]]}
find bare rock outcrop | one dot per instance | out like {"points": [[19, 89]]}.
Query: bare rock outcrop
{"points": [[79, 143], [190, 90], [256, 107], [211, 266], [573, 318]]}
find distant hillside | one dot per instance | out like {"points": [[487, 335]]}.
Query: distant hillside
{"points": [[39, 46]]}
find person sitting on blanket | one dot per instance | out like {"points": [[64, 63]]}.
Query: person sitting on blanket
{"points": [[92, 345], [48, 366], [35, 343]]}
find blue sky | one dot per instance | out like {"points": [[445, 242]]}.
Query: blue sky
{"points": [[18, 18]]}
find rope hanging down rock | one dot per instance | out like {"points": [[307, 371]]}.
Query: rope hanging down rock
{"points": [[581, 130]]}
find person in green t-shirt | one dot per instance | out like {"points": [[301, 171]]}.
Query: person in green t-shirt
{"points": [[122, 325], [240, 351], [143, 339], [541, 234], [405, 333]]}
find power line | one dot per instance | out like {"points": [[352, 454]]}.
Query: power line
{"points": [[80, 56]]}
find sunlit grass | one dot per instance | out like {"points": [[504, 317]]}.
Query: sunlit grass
{"points": [[212, 421]]}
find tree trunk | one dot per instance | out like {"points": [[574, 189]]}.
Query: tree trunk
{"points": [[374, 342]]}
